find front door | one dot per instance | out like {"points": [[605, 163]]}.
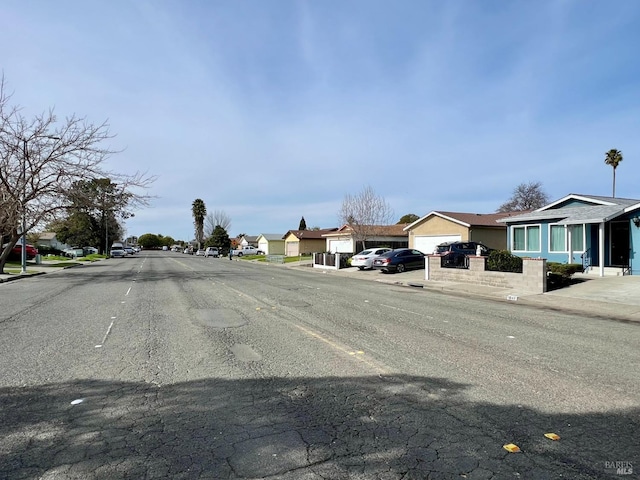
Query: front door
{"points": [[620, 243]]}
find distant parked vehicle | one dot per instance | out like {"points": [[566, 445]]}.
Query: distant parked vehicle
{"points": [[246, 250], [200, 253], [16, 251], [364, 259], [117, 252], [399, 260], [74, 252], [129, 250], [211, 252]]}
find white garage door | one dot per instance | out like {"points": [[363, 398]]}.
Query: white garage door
{"points": [[264, 247], [340, 246], [427, 243]]}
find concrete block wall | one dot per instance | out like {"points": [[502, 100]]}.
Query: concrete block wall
{"points": [[533, 278]]}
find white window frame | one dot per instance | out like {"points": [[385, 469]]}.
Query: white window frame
{"points": [[566, 238], [513, 227]]}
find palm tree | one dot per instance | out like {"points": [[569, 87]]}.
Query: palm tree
{"points": [[199, 211], [613, 158]]}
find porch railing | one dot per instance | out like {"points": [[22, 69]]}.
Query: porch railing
{"points": [[586, 260]]}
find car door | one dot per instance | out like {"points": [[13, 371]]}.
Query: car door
{"points": [[417, 259]]}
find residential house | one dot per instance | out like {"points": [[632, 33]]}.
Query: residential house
{"points": [[345, 240], [48, 239], [599, 232], [248, 241], [437, 227], [301, 242], [271, 243]]}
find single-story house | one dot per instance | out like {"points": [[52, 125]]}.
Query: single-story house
{"points": [[301, 242], [271, 243], [437, 227], [248, 241], [344, 240], [48, 239], [596, 231]]}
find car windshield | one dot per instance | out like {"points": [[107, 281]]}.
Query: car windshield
{"points": [[443, 248], [365, 252]]}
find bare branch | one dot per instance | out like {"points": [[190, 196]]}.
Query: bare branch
{"points": [[365, 213], [40, 161]]}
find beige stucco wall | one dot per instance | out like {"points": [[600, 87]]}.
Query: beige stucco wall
{"points": [[438, 226], [304, 246], [491, 237]]}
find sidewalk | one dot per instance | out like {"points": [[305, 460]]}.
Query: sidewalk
{"points": [[34, 269], [614, 297]]}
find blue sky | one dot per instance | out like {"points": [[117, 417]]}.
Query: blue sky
{"points": [[274, 110]]}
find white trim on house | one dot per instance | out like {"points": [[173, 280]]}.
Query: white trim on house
{"points": [[525, 226], [567, 237], [437, 214], [573, 196]]}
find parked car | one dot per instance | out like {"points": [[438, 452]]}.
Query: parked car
{"points": [[399, 260], [16, 251], [117, 252], [89, 250], [129, 250], [455, 253], [74, 252], [246, 250], [211, 252], [364, 259], [200, 252]]}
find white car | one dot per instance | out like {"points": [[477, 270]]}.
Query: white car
{"points": [[211, 252], [364, 259]]}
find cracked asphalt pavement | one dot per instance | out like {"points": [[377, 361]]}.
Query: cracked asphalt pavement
{"points": [[173, 366]]}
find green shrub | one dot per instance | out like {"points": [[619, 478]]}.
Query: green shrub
{"points": [[564, 269], [504, 261]]}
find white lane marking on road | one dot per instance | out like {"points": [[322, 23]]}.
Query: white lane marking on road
{"points": [[127, 292], [78, 401], [104, 339], [405, 311], [510, 336]]}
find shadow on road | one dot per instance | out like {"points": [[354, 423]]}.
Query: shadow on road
{"points": [[298, 428]]}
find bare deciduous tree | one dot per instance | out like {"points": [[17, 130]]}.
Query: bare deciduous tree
{"points": [[365, 213], [41, 159], [215, 218], [526, 196]]}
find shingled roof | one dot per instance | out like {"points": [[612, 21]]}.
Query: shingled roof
{"points": [[468, 219], [379, 230]]}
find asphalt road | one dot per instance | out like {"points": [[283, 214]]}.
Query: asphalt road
{"points": [[167, 365]]}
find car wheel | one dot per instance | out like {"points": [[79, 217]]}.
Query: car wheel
{"points": [[360, 268], [400, 267], [240, 254]]}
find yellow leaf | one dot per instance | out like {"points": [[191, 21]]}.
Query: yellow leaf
{"points": [[510, 447], [552, 436]]}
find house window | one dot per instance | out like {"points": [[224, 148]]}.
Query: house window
{"points": [[526, 238], [559, 238]]}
